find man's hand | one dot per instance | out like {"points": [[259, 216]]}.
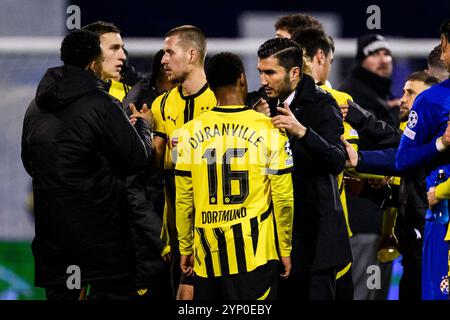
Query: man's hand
{"points": [[344, 110], [145, 114], [262, 106], [352, 161], [431, 195], [286, 120], [446, 136], [287, 267], [187, 264]]}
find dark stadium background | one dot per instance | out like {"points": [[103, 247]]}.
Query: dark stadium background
{"points": [[414, 19]]}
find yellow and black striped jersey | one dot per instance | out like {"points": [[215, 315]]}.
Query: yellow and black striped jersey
{"points": [[118, 90], [172, 110], [351, 135], [233, 187]]}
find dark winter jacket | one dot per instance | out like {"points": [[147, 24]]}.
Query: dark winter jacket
{"points": [[146, 198], [379, 132], [371, 92], [78, 146], [320, 238]]}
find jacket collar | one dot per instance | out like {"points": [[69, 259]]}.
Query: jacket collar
{"points": [[306, 90], [289, 99]]}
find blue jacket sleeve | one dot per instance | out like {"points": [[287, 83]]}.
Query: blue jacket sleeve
{"points": [[380, 162], [426, 123]]}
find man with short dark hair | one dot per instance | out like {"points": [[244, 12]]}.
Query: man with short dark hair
{"points": [[114, 57], [183, 61], [242, 223], [151, 276], [435, 66], [112, 48], [78, 145], [320, 239], [285, 26]]}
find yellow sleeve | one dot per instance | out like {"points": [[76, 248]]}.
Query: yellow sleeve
{"points": [[351, 135], [280, 167], [118, 90], [159, 127], [184, 213], [184, 202], [443, 190]]}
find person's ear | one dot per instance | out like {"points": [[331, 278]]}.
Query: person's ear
{"points": [[91, 66], [192, 55], [320, 56], [95, 66], [242, 81], [295, 73]]}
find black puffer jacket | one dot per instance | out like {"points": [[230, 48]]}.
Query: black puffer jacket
{"points": [[78, 146], [146, 198]]}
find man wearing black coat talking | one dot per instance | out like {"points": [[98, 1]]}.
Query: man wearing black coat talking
{"points": [[314, 122], [78, 145]]}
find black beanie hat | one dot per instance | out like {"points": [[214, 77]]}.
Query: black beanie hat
{"points": [[80, 47], [370, 43]]}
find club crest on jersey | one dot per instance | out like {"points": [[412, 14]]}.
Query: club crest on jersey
{"points": [[444, 285], [287, 149], [412, 119]]}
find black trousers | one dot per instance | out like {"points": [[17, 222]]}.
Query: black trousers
{"points": [[410, 287], [411, 245], [316, 285], [344, 286], [259, 284], [114, 289]]}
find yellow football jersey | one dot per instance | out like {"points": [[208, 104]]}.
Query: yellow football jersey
{"points": [[118, 90], [233, 187], [351, 135], [172, 110]]}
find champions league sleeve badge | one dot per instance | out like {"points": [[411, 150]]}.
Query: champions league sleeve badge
{"points": [[287, 149], [444, 285], [412, 119]]}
